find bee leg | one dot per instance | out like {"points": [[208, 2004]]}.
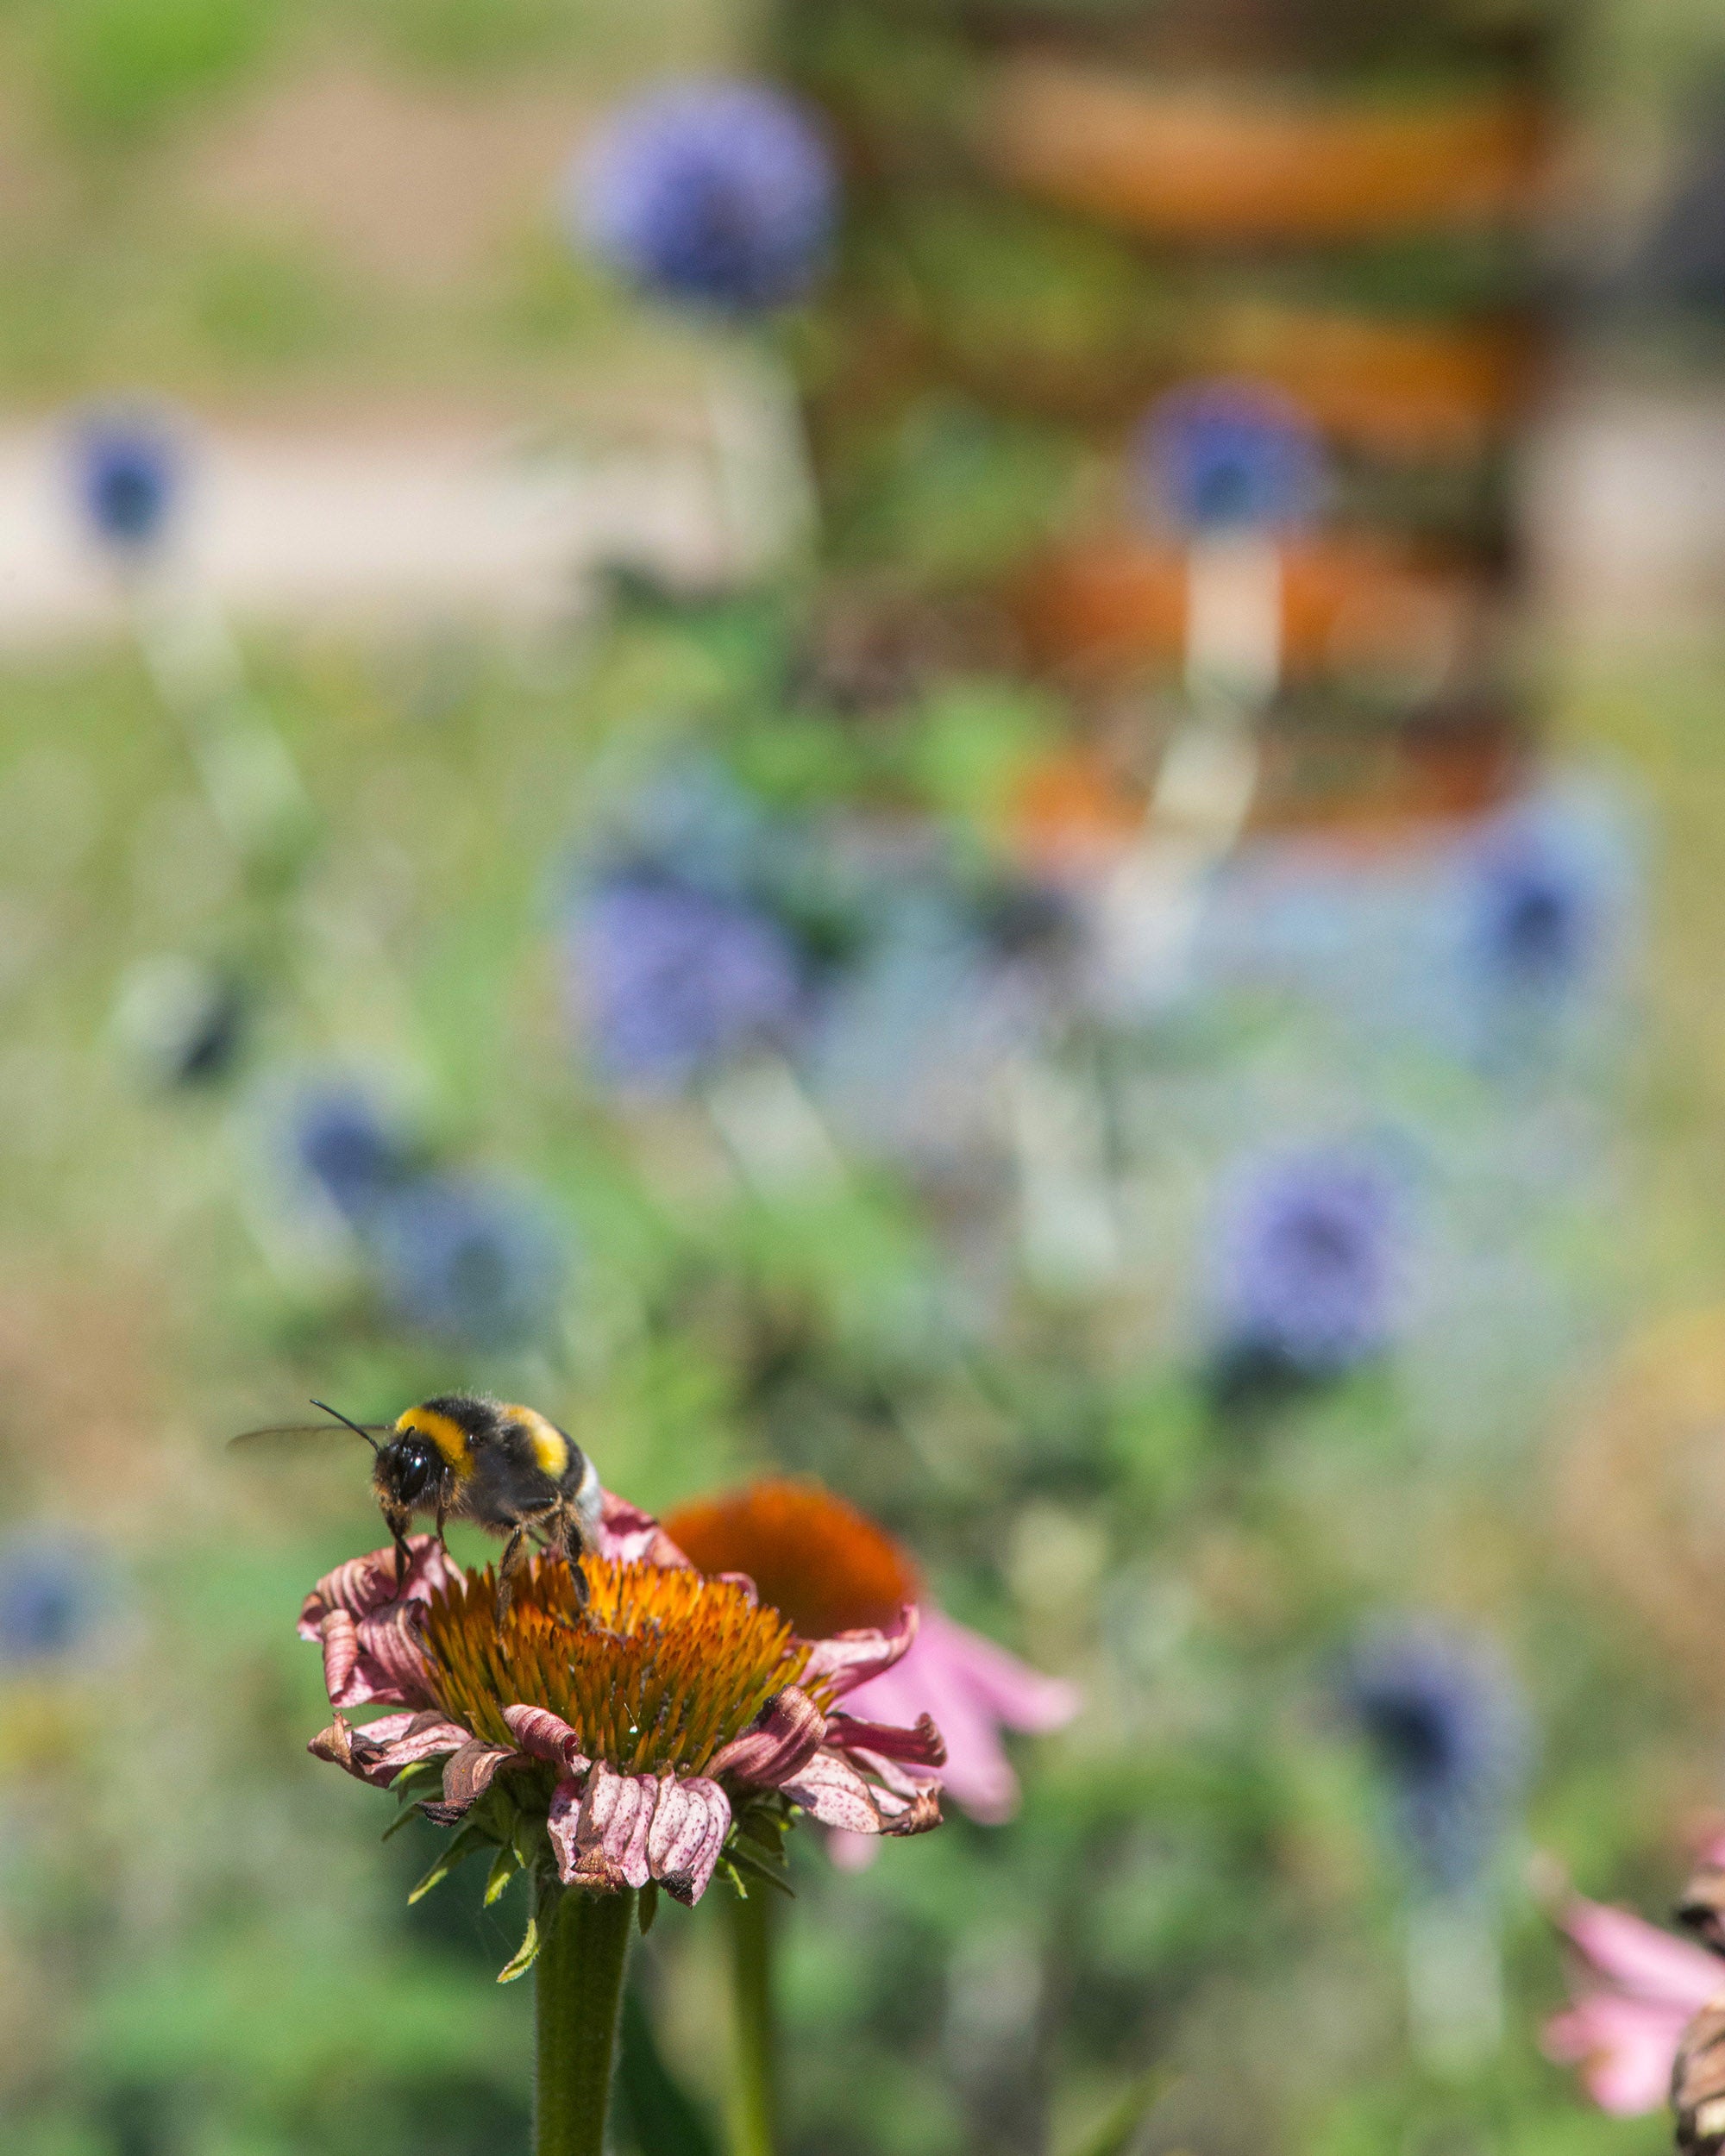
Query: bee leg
{"points": [[398, 1523], [514, 1556], [576, 1543]]}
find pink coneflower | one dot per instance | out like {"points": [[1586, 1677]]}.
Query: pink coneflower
{"points": [[632, 1741], [827, 1568], [1636, 1990]]}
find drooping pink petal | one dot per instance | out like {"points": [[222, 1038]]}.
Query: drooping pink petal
{"points": [[629, 1536], [547, 1736], [378, 1752], [1625, 2047], [378, 1661], [391, 1644], [341, 1644], [921, 1744], [919, 1816], [971, 1688], [830, 1790], [366, 1583], [690, 1822], [786, 1734], [849, 1659], [468, 1774], [1639, 1958], [899, 1781], [1016, 1695], [565, 1816], [611, 1827]]}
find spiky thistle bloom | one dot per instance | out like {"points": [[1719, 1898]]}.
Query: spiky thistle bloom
{"points": [[828, 1567], [719, 194], [1538, 903], [669, 979], [1230, 456], [127, 471], [340, 1142], [674, 1725], [1448, 1730], [1308, 1259], [467, 1259]]}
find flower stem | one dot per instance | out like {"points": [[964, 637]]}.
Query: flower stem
{"points": [[754, 2092], [578, 1990]]}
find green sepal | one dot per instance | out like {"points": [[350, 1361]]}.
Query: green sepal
{"points": [[547, 1891], [409, 1813], [460, 1845], [424, 1778], [648, 1907], [504, 1867], [1116, 2130], [525, 1955], [738, 1861]]}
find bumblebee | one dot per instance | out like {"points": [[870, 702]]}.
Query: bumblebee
{"points": [[462, 1456]]}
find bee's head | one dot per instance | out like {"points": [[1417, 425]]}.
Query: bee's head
{"points": [[408, 1469]]}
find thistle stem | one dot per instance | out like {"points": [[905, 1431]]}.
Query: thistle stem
{"points": [[754, 2092], [578, 1994]]}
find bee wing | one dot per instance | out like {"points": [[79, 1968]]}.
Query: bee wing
{"points": [[284, 1435]]}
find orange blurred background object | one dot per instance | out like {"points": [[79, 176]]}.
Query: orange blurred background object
{"points": [[1265, 164]]}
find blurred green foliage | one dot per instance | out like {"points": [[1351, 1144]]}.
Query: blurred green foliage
{"points": [[223, 1957]]}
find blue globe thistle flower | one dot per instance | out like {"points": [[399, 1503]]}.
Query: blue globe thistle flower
{"points": [[52, 1598], [672, 979], [719, 194], [342, 1143], [1231, 457], [128, 474], [1448, 1731], [1537, 911], [1309, 1259], [467, 1260]]}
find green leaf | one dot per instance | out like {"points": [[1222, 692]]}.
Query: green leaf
{"points": [[1118, 2129], [648, 1907], [525, 1955], [657, 2109], [504, 1867], [456, 1851]]}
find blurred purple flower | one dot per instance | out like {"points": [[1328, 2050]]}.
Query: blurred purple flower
{"points": [[128, 474], [670, 980], [1230, 456], [1448, 1729], [1309, 1259], [342, 1143], [1537, 911], [716, 192], [467, 1260], [52, 1598]]}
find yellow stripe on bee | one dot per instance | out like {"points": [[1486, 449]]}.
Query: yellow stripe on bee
{"points": [[550, 1446], [444, 1432]]}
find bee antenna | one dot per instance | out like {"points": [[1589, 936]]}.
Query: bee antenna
{"points": [[355, 1428]]}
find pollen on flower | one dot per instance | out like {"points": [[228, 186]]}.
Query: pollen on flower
{"points": [[661, 1669], [825, 1564]]}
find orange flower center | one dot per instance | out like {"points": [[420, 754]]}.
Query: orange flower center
{"points": [[827, 1565], [661, 1669]]}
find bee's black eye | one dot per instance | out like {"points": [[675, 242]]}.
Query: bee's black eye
{"points": [[416, 1470]]}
